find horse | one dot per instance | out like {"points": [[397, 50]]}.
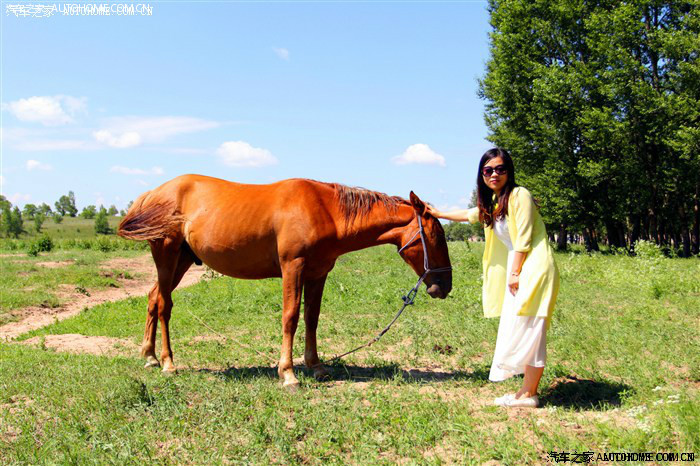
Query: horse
{"points": [[294, 229]]}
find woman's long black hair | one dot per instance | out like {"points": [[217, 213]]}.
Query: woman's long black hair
{"points": [[484, 194]]}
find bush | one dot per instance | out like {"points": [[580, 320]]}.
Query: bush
{"points": [[647, 250], [105, 245], [102, 224], [45, 244]]}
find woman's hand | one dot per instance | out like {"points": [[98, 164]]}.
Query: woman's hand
{"points": [[432, 211], [513, 283]]}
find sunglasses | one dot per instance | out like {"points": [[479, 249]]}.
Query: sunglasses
{"points": [[500, 170]]}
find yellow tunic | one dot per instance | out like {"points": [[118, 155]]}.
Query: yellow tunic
{"points": [[539, 276]]}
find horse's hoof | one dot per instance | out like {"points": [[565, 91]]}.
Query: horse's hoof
{"points": [[291, 387], [152, 362], [169, 369], [321, 374]]}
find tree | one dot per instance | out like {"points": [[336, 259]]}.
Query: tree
{"points": [[456, 231], [38, 221], [598, 103], [29, 210], [4, 202], [66, 205], [112, 210], [89, 212], [101, 223], [45, 209], [12, 221]]}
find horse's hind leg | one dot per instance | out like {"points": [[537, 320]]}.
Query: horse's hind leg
{"points": [[313, 291], [148, 347], [172, 263]]}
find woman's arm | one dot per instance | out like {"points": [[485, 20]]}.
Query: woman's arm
{"points": [[465, 215]]}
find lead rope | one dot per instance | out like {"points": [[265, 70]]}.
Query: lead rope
{"points": [[242, 345], [408, 299]]}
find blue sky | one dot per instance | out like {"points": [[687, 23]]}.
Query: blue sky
{"points": [[380, 95]]}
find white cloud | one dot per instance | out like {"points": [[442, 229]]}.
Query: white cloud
{"points": [[123, 132], [242, 154], [19, 197], [419, 153], [47, 110], [47, 139], [36, 165], [281, 52], [142, 183], [122, 141], [136, 171], [52, 145]]}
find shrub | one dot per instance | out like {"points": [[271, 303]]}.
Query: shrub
{"points": [[33, 250], [38, 221], [44, 243], [647, 250], [101, 223], [105, 245]]}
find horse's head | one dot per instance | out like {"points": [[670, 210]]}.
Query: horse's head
{"points": [[439, 283]]}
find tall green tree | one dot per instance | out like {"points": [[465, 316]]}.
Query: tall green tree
{"points": [[66, 205], [597, 101], [12, 224], [89, 212], [29, 210], [45, 209]]}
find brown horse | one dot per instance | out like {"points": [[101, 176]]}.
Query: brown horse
{"points": [[294, 229]]}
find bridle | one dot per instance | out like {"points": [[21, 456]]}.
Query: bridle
{"points": [[411, 295]]}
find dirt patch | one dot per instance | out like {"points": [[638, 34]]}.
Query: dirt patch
{"points": [[141, 268], [17, 403], [205, 338], [55, 264], [81, 344]]}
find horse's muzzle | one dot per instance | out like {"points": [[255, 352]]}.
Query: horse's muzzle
{"points": [[439, 289]]}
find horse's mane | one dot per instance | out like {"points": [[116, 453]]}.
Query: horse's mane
{"points": [[355, 201]]}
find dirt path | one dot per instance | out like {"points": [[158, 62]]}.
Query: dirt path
{"points": [[141, 268]]}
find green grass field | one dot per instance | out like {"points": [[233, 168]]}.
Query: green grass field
{"points": [[623, 374], [70, 227]]}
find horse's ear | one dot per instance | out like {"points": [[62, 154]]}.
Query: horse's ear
{"points": [[417, 203]]}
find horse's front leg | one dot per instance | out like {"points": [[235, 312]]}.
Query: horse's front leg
{"points": [[292, 284], [313, 292]]}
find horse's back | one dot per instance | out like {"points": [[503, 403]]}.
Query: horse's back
{"points": [[244, 230]]}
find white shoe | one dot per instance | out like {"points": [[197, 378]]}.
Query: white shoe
{"points": [[511, 401]]}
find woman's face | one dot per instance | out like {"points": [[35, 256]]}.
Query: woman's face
{"points": [[491, 176]]}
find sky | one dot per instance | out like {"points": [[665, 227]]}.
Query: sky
{"points": [[381, 95]]}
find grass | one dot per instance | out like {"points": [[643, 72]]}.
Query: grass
{"points": [[623, 374], [27, 281], [70, 227]]}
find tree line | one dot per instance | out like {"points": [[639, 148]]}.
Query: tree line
{"points": [[12, 218], [599, 104]]}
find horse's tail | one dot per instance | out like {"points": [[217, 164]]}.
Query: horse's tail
{"points": [[150, 220]]}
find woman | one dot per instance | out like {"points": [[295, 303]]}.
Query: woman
{"points": [[521, 280]]}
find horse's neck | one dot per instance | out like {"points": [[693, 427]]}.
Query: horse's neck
{"points": [[381, 226]]}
